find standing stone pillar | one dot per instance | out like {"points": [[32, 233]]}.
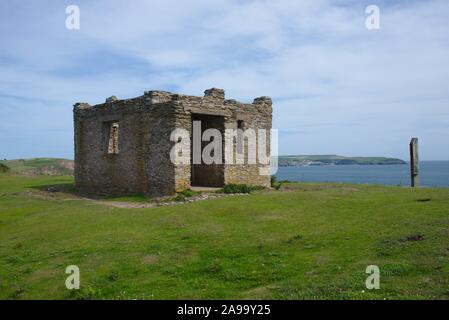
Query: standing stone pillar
{"points": [[414, 162]]}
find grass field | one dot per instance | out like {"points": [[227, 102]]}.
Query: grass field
{"points": [[311, 241]]}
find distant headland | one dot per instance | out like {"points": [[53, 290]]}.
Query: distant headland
{"points": [[331, 160]]}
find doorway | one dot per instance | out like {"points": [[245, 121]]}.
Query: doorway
{"points": [[202, 174]]}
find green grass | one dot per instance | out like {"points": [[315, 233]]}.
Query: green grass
{"points": [[139, 198], [313, 241]]}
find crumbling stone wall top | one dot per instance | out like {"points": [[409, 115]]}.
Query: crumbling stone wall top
{"points": [[157, 97]]}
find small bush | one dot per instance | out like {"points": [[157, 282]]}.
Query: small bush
{"points": [[180, 198], [236, 188], [4, 168], [273, 180], [240, 188], [188, 193], [274, 183], [278, 186]]}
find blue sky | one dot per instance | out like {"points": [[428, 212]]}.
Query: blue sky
{"points": [[337, 87]]}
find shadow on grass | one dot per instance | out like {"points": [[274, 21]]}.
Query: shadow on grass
{"points": [[59, 187], [69, 188]]}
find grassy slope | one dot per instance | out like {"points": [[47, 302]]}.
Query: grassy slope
{"points": [[336, 158], [19, 165], [23, 165], [314, 242]]}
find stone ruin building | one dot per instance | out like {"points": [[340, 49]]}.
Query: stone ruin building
{"points": [[123, 146]]}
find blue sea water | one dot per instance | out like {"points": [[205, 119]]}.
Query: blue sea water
{"points": [[432, 173]]}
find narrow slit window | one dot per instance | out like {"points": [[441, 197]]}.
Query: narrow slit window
{"points": [[240, 137], [113, 138]]}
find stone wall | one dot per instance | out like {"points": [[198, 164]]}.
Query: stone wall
{"points": [[257, 115], [97, 171], [142, 164]]}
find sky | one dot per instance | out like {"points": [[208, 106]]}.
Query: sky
{"points": [[337, 87]]}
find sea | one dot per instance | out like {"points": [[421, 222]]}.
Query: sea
{"points": [[432, 174]]}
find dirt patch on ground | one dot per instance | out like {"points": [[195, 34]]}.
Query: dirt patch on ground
{"points": [[64, 192], [123, 204], [349, 189], [162, 202], [259, 292], [415, 237], [43, 274], [150, 259]]}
